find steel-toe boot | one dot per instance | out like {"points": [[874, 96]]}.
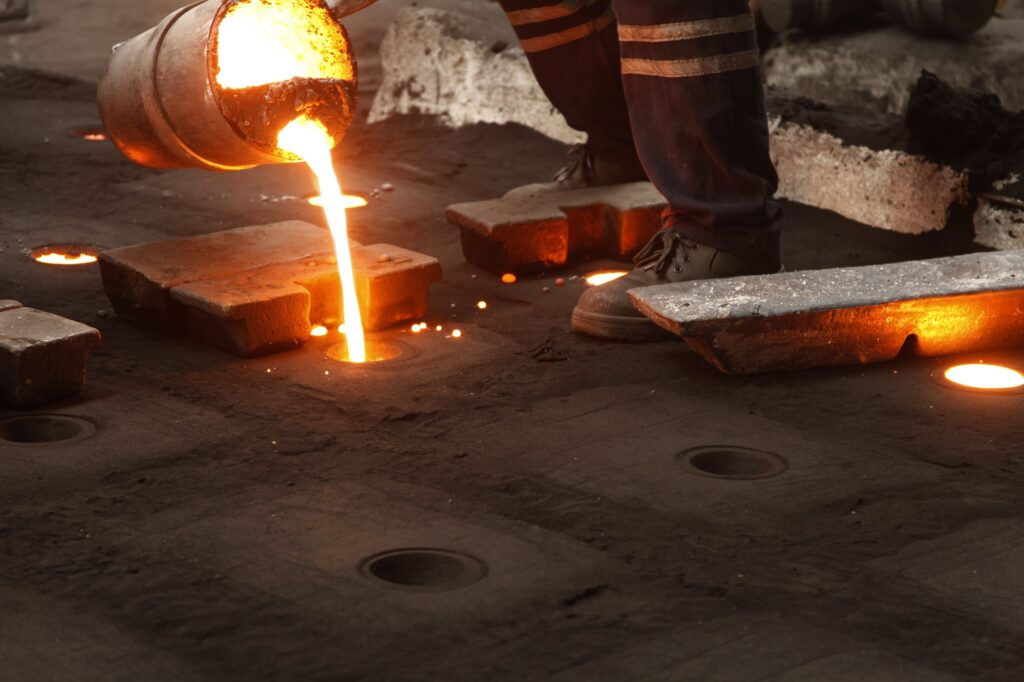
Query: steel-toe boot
{"points": [[597, 164], [593, 164], [607, 312]]}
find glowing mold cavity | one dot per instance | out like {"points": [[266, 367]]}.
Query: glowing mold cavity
{"points": [[982, 377], [65, 255], [349, 201], [376, 352], [88, 133]]}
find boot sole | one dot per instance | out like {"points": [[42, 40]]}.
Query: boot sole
{"points": [[630, 328]]}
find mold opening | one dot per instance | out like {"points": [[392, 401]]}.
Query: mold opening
{"points": [[44, 428], [64, 255], [733, 462], [377, 352], [425, 569]]}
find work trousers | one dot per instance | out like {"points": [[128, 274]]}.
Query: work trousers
{"points": [[679, 80]]}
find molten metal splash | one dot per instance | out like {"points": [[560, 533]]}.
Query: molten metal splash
{"points": [[55, 258], [260, 42], [987, 377], [309, 140]]}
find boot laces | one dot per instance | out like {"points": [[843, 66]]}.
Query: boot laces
{"points": [[581, 162], [663, 250]]}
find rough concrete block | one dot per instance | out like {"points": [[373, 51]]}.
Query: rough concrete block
{"points": [[531, 229], [138, 278], [878, 68], [273, 308], [43, 357], [850, 161], [465, 66], [998, 225], [797, 320]]}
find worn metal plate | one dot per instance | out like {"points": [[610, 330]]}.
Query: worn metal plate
{"points": [[797, 320]]}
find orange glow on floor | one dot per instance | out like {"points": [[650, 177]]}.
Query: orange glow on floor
{"points": [[349, 201], [985, 377], [596, 279], [58, 257]]}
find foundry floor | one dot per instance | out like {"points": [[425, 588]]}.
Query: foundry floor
{"points": [[214, 526]]}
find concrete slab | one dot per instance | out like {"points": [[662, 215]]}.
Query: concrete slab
{"points": [[43, 357], [138, 279], [533, 229], [466, 66], [822, 163], [998, 225], [798, 320], [879, 67], [273, 308], [976, 567]]}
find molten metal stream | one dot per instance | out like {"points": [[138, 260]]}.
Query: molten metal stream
{"points": [[310, 140]]}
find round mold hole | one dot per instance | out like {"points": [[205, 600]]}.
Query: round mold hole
{"points": [[734, 463], [939, 376], [378, 352], [424, 570], [89, 133], [45, 429], [65, 255]]}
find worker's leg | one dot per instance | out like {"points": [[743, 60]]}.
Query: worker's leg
{"points": [[573, 48], [693, 82], [696, 101]]}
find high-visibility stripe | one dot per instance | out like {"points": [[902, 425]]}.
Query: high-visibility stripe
{"points": [[569, 35], [687, 30], [535, 15], [688, 68]]}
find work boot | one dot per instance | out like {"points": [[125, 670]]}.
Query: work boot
{"points": [[591, 165], [607, 311], [599, 165]]}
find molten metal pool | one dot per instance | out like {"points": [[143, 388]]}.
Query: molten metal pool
{"points": [[65, 255], [980, 376]]}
